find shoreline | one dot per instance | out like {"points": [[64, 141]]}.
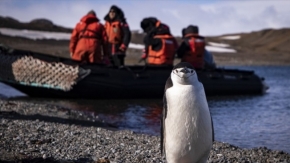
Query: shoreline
{"points": [[38, 132], [247, 57]]}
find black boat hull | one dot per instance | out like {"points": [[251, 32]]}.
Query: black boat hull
{"points": [[141, 82], [121, 84]]}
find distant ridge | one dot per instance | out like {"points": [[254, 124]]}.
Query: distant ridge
{"points": [[35, 24], [267, 40], [272, 42]]}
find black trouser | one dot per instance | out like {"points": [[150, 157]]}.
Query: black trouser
{"points": [[118, 60]]}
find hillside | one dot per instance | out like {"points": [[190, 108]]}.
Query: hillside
{"points": [[267, 40], [265, 47], [36, 24]]}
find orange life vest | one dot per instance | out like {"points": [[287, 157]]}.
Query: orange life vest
{"points": [[196, 54], [165, 55], [89, 31], [114, 32]]}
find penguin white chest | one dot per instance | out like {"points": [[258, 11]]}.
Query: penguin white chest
{"points": [[188, 125]]}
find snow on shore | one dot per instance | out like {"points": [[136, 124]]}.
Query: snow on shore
{"points": [[32, 34]]}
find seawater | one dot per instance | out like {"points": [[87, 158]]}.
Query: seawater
{"points": [[245, 121]]}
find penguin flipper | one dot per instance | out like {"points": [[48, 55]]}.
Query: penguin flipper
{"points": [[212, 129], [164, 114], [162, 132]]}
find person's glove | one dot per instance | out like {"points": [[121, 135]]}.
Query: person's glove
{"points": [[123, 47], [144, 55]]}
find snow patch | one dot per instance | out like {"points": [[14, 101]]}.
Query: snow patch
{"points": [[32, 34], [234, 37], [136, 46], [220, 49], [219, 44]]}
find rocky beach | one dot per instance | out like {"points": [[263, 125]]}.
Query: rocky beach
{"points": [[38, 132]]}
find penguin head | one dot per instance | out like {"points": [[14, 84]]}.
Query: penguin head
{"points": [[183, 73]]}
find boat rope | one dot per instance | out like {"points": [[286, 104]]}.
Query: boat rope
{"points": [[26, 70]]}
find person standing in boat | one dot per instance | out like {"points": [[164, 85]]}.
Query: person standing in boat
{"points": [[160, 45], [192, 49], [119, 35], [88, 40]]}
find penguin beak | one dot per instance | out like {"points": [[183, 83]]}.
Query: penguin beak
{"points": [[184, 70]]}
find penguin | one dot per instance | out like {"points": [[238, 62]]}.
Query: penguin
{"points": [[187, 131]]}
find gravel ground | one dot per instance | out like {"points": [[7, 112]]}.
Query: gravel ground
{"points": [[35, 132]]}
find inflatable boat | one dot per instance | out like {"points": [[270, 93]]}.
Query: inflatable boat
{"points": [[42, 75]]}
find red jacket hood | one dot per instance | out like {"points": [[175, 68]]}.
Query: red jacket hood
{"points": [[89, 19]]}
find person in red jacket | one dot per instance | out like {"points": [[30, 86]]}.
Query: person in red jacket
{"points": [[192, 48], [119, 35], [160, 45], [88, 40]]}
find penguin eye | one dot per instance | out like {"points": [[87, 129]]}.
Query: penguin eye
{"points": [[176, 71], [191, 71]]}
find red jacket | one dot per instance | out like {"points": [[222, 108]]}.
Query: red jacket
{"points": [[88, 40]]}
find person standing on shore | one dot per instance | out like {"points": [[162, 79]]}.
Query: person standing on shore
{"points": [[88, 40], [119, 35]]}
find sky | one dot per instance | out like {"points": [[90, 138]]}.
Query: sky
{"points": [[214, 17]]}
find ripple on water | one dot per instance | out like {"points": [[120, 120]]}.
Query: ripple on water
{"points": [[245, 121]]}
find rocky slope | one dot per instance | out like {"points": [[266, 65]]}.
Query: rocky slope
{"points": [[267, 40], [36, 24]]}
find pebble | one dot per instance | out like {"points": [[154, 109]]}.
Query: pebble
{"points": [[42, 133]]}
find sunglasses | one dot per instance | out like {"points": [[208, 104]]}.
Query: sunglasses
{"points": [[112, 11]]}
